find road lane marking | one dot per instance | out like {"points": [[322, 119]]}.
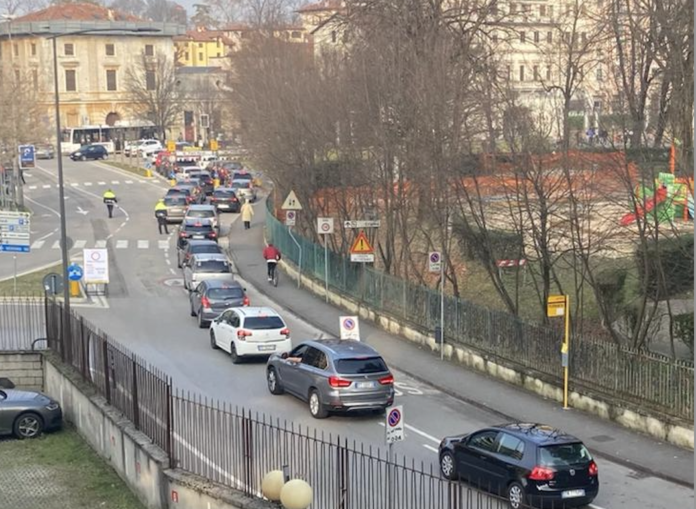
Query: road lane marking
{"points": [[80, 244], [100, 244], [163, 244], [56, 245], [38, 244], [101, 183], [431, 448], [74, 184], [46, 186], [595, 506], [172, 270], [129, 181], [418, 432], [32, 187], [115, 182], [121, 244], [143, 244], [88, 184]]}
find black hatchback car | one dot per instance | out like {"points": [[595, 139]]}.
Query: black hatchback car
{"points": [[530, 464], [196, 229], [89, 152], [225, 199]]}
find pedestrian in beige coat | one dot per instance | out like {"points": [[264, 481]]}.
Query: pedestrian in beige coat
{"points": [[247, 213]]}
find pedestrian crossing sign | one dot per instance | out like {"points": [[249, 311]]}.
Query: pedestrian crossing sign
{"points": [[361, 245]]}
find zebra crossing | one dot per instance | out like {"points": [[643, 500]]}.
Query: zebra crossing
{"points": [[119, 244], [98, 183]]}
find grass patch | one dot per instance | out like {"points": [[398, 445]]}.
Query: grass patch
{"points": [[67, 474], [29, 284], [129, 168]]}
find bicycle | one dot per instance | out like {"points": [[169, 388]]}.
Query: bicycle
{"points": [[274, 275]]}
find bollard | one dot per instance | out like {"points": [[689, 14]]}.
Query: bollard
{"points": [[296, 494], [216, 183], [172, 182], [74, 288], [272, 484]]}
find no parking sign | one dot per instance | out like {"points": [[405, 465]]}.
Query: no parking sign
{"points": [[350, 327]]}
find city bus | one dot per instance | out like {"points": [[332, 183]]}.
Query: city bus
{"points": [[113, 138]]}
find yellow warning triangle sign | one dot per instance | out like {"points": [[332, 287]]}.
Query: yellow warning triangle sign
{"points": [[361, 245]]}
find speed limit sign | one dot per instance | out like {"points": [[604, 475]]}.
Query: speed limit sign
{"points": [[325, 225]]}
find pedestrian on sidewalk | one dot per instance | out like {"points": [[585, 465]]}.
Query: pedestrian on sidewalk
{"points": [[161, 215], [247, 213]]}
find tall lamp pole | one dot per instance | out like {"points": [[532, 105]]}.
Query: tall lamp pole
{"points": [[61, 189]]}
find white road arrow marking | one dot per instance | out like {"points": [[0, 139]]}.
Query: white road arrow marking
{"points": [[101, 244], [83, 212]]}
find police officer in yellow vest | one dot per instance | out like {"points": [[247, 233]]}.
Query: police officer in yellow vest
{"points": [[110, 200], [161, 215]]}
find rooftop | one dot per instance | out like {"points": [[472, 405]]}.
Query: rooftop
{"points": [[323, 6], [77, 12]]}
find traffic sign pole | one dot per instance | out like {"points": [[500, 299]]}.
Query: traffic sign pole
{"points": [[442, 310]]}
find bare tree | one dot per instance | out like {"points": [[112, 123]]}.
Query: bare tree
{"points": [[154, 89]]}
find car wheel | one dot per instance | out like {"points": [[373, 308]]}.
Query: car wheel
{"points": [[448, 467], [317, 410], [83, 158], [213, 344], [274, 385], [202, 324], [516, 495], [28, 425], [236, 359]]}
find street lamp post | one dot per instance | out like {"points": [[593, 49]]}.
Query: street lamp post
{"points": [[65, 333]]}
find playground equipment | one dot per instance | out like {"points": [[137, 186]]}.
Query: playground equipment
{"points": [[670, 198]]}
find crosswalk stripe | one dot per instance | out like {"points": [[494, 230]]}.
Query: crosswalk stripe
{"points": [[143, 244], [121, 244], [163, 244], [115, 182], [38, 244], [80, 244], [87, 184], [129, 181], [100, 244], [27, 174], [74, 184], [101, 183], [32, 187], [46, 186], [56, 245]]}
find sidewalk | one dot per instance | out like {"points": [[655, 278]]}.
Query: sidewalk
{"points": [[606, 439]]}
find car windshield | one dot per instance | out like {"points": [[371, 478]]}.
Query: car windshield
{"points": [[178, 190], [175, 200], [361, 366], [241, 176], [200, 213], [225, 293], [564, 455], [206, 249], [263, 322], [216, 266], [242, 184], [223, 194]]}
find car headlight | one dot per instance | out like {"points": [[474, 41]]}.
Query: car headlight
{"points": [[78, 153], [52, 406]]}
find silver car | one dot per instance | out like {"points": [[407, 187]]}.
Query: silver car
{"points": [[204, 267], [333, 375], [26, 414], [176, 207], [244, 189]]}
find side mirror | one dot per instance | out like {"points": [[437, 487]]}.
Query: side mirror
{"points": [[284, 355], [244, 289]]}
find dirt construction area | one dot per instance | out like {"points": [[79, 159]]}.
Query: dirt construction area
{"points": [[59, 471]]}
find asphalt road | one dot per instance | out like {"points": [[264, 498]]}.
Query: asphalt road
{"points": [[147, 311]]}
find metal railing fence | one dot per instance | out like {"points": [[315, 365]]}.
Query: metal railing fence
{"points": [[638, 377], [22, 321]]}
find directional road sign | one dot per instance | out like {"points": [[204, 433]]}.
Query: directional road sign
{"points": [[394, 424], [362, 224], [27, 157], [15, 230], [435, 262], [291, 202], [350, 327], [74, 272], [325, 225]]}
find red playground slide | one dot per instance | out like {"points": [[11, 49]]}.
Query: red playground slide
{"points": [[650, 203]]}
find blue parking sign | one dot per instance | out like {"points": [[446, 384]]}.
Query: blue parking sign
{"points": [[27, 157]]}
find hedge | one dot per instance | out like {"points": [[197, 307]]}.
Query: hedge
{"points": [[675, 256]]}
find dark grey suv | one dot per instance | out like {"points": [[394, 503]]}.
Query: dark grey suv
{"points": [[333, 375], [212, 297]]}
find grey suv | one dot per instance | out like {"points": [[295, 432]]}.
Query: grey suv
{"points": [[333, 375]]}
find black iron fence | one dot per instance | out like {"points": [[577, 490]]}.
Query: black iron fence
{"points": [[236, 448], [22, 322], [648, 380]]}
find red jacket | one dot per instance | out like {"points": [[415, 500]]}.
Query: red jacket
{"points": [[271, 253]]}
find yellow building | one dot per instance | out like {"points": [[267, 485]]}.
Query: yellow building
{"points": [[202, 48], [91, 67]]}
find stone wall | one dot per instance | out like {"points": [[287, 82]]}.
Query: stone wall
{"points": [[24, 369]]}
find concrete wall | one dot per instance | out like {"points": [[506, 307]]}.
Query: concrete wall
{"points": [[142, 465], [24, 369], [638, 419]]}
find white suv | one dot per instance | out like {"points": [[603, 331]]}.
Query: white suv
{"points": [[142, 147], [250, 332]]}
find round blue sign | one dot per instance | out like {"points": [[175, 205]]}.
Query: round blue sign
{"points": [[74, 272], [394, 417]]}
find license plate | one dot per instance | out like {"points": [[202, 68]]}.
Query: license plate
{"points": [[266, 348], [365, 385], [198, 237], [573, 494]]}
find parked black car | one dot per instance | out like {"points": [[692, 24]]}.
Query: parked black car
{"points": [[530, 464], [89, 152], [212, 297], [225, 200]]}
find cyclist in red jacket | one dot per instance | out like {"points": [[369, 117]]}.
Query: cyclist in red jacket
{"points": [[272, 256]]}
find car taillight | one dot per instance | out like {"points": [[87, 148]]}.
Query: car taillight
{"points": [[387, 380], [233, 199], [213, 234], [241, 334], [205, 302], [540, 473], [246, 301], [285, 332], [593, 470], [335, 381], [213, 199], [182, 234]]}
